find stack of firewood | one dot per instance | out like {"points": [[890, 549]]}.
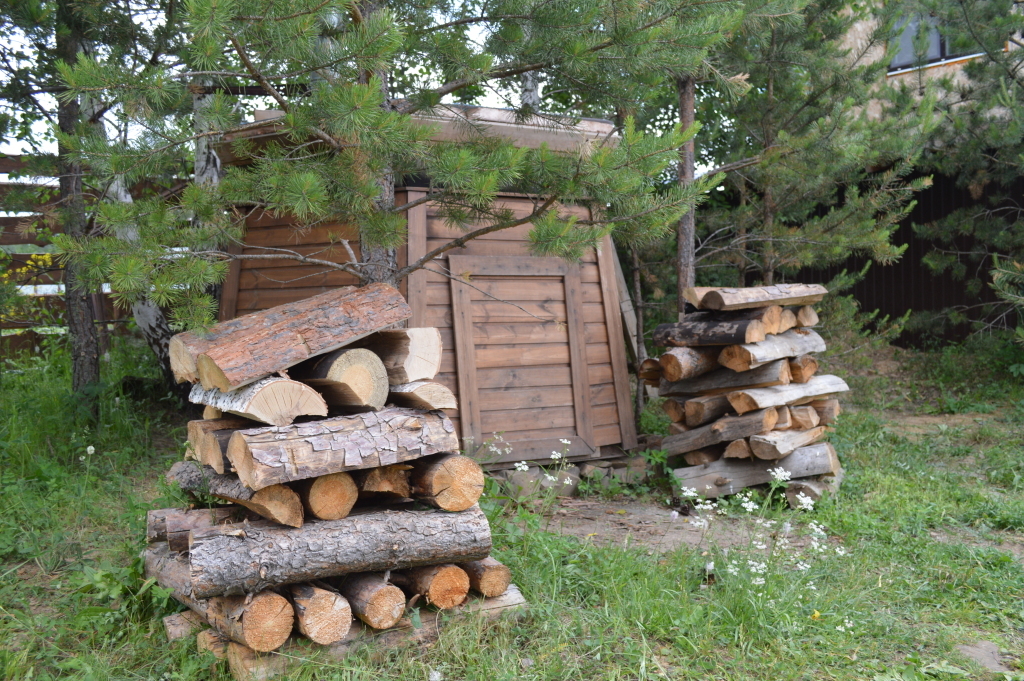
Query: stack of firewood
{"points": [[742, 390], [348, 502]]}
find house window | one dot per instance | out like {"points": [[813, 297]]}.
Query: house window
{"points": [[921, 43]]}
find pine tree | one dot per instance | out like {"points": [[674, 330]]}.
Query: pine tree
{"points": [[341, 74]]}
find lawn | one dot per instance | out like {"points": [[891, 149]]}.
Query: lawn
{"points": [[920, 552]]}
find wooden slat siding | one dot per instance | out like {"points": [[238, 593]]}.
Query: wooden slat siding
{"points": [[462, 323], [324, 251], [506, 420], [535, 446], [301, 276], [600, 373], [528, 398], [284, 236], [538, 289], [520, 334], [495, 248], [613, 321], [416, 249], [229, 289], [578, 351], [402, 254]]}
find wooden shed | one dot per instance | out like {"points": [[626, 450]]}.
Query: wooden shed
{"points": [[541, 362]]}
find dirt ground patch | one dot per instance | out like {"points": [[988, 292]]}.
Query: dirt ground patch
{"points": [[918, 425]]}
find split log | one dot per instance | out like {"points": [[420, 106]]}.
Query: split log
{"points": [[806, 316], [705, 409], [172, 525], [268, 456], [487, 577], [182, 625], [760, 296], [274, 502], [423, 395], [724, 430], [674, 409], [694, 295], [443, 586], [262, 621], [208, 439], [391, 481], [805, 417], [349, 377], [374, 601], [789, 344], [231, 559], [802, 368], [277, 401], [785, 421], [329, 497], [690, 333], [729, 476], [676, 428], [702, 456], [775, 445], [409, 355], [451, 482], [650, 370], [727, 380], [322, 616], [827, 410], [213, 642], [210, 413], [738, 449], [680, 363], [240, 351], [788, 321], [795, 393]]}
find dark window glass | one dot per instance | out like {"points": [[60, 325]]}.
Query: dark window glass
{"points": [[936, 47]]}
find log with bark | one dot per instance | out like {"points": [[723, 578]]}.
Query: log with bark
{"points": [[827, 410], [676, 428], [804, 417], [802, 368], [277, 401], [806, 316], [775, 445], [328, 497], [409, 355], [233, 559], [674, 409], [268, 456], [726, 380], [172, 525], [650, 370], [761, 296], [262, 620], [793, 394], [725, 429], [208, 439], [705, 409], [789, 344], [372, 599], [696, 333], [729, 476], [487, 576], [239, 351], [349, 377], [738, 449], [274, 502], [443, 586], [451, 482], [213, 642], [423, 395], [322, 615], [680, 363]]}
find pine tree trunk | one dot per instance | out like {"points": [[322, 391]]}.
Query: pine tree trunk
{"points": [[685, 234]]}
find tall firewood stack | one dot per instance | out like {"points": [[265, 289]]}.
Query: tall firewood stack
{"points": [[324, 432], [743, 393]]}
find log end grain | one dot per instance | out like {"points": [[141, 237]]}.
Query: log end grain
{"points": [[377, 603], [329, 497], [453, 483], [268, 621], [210, 641], [487, 577], [183, 365], [279, 503], [448, 588], [323, 616]]}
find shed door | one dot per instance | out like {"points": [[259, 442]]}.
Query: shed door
{"points": [[522, 367]]}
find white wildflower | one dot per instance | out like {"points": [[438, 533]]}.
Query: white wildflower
{"points": [[90, 450], [804, 502], [550, 478], [840, 551], [786, 528], [811, 586], [780, 474], [567, 481], [522, 466], [749, 506], [555, 456], [699, 523], [801, 565], [760, 546], [673, 515], [435, 676], [709, 567], [758, 568], [688, 493], [81, 458], [757, 581], [565, 442]]}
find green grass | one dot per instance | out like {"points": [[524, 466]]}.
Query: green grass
{"points": [[920, 520]]}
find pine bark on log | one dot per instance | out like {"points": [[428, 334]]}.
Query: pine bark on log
{"points": [[409, 355], [323, 616], [423, 395], [487, 576], [274, 502], [738, 449], [806, 316], [725, 429], [232, 559], [182, 625], [785, 421], [789, 344], [268, 456], [793, 394], [726, 380], [775, 445], [172, 525], [761, 296], [328, 497], [676, 428], [674, 409], [262, 621], [705, 409], [277, 401], [443, 586], [770, 317], [451, 482], [208, 439], [802, 368], [788, 321], [348, 377], [213, 642], [729, 476], [650, 370], [696, 333], [827, 410], [680, 363], [373, 600], [240, 351], [702, 456], [805, 417]]}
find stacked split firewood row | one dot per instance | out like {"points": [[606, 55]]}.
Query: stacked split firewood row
{"points": [[346, 498], [743, 391]]}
